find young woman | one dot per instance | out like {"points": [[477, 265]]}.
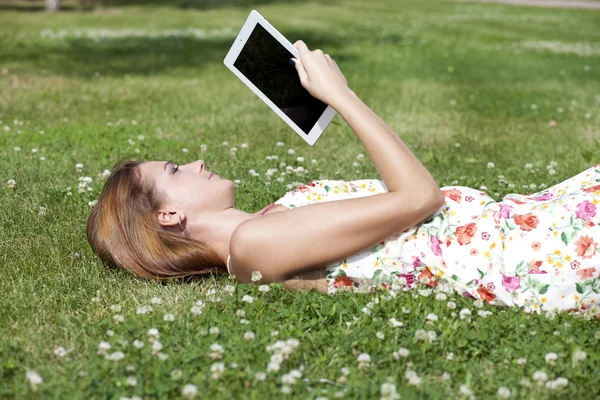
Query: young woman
{"points": [[159, 220]]}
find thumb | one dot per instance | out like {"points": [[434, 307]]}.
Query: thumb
{"points": [[300, 68]]}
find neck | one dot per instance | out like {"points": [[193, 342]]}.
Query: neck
{"points": [[216, 229]]}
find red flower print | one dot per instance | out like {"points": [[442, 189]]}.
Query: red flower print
{"points": [[535, 267], [585, 247], [586, 273], [454, 194], [426, 272], [303, 188], [465, 233], [474, 251], [574, 264], [469, 198], [536, 246], [485, 235], [527, 222], [491, 286], [516, 201], [592, 189], [341, 281], [485, 294]]}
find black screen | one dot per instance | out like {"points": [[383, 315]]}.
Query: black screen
{"points": [[265, 62]]}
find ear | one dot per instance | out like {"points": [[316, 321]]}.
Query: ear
{"points": [[168, 218]]}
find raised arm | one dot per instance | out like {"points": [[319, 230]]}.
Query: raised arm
{"points": [[287, 243]]}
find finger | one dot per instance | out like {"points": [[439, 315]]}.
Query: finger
{"points": [[301, 71], [302, 48]]}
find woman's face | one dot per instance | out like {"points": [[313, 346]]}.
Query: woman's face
{"points": [[190, 188]]}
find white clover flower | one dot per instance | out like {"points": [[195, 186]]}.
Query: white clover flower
{"points": [[115, 307], [143, 310], [413, 378], [230, 289], [131, 380], [118, 318], [580, 356], [432, 317], [441, 296], [156, 300], [363, 358], [394, 323], [17, 148], [557, 383], [184, 150], [256, 275], [421, 334], [260, 376], [156, 347], [300, 159], [291, 151], [403, 352], [213, 330], [153, 332], [551, 357], [264, 288], [189, 391], [247, 298], [225, 143], [196, 310], [457, 144], [540, 376], [484, 313], [60, 351], [249, 335], [534, 106], [464, 389], [116, 356], [217, 369], [450, 356], [528, 166], [34, 379], [176, 374], [138, 344], [131, 142], [169, 317], [12, 183], [366, 310], [503, 392], [491, 165], [380, 335], [79, 166], [110, 332]]}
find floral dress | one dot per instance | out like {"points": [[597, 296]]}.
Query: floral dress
{"points": [[539, 251]]}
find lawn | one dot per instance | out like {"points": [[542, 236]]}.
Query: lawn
{"points": [[501, 98]]}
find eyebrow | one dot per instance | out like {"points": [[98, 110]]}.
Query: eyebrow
{"points": [[167, 163]]}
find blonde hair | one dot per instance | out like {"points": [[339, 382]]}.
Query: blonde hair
{"points": [[124, 232]]}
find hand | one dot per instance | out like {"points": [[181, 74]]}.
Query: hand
{"points": [[320, 75]]}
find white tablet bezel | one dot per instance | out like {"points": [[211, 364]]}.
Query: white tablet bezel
{"points": [[253, 19]]}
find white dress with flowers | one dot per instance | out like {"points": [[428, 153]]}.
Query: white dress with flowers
{"points": [[539, 251]]}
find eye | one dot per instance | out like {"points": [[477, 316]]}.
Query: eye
{"points": [[175, 168]]}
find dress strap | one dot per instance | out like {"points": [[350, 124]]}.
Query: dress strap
{"points": [[268, 208]]}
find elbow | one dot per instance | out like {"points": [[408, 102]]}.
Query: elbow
{"points": [[437, 200]]}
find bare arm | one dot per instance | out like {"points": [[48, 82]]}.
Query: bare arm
{"points": [[300, 239]]}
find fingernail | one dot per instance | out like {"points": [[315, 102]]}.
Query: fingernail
{"points": [[292, 62]]}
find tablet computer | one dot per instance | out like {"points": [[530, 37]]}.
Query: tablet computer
{"points": [[260, 57]]}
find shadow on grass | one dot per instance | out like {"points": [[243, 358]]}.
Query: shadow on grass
{"points": [[84, 56]]}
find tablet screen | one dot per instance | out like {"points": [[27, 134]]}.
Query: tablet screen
{"points": [[265, 63]]}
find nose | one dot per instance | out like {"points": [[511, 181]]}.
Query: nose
{"points": [[199, 167]]}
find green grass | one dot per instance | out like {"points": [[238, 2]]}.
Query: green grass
{"points": [[439, 73]]}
